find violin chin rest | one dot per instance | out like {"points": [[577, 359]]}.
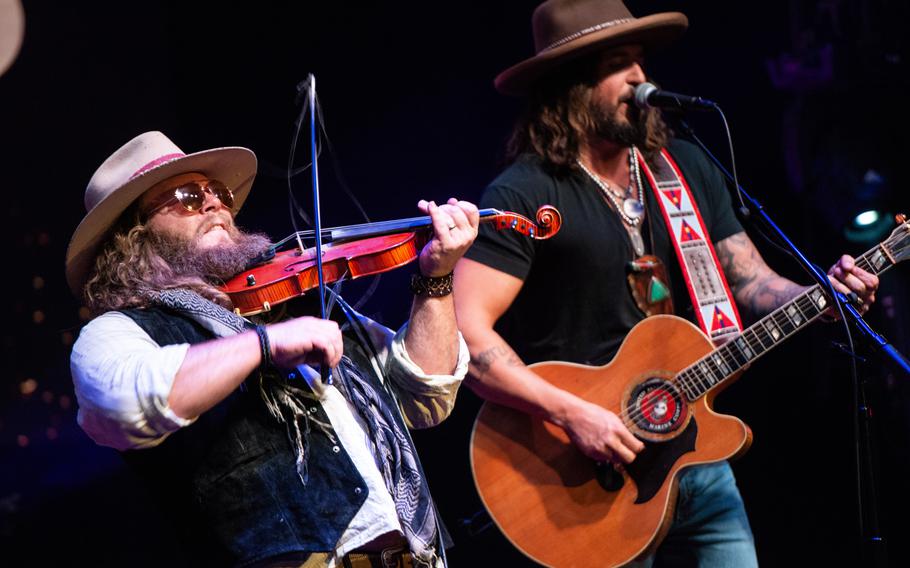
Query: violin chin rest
{"points": [[266, 255]]}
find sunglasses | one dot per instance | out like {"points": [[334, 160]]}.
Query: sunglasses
{"points": [[192, 196]]}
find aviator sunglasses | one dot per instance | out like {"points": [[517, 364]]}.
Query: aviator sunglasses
{"points": [[192, 195]]}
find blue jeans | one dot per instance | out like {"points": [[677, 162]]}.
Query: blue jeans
{"points": [[710, 527]]}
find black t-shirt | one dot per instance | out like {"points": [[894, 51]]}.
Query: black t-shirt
{"points": [[575, 304]]}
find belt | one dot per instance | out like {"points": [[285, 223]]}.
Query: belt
{"points": [[397, 557], [394, 557]]}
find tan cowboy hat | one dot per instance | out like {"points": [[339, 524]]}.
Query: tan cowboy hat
{"points": [[134, 168], [12, 28], [565, 29]]}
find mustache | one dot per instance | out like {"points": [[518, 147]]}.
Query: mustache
{"points": [[217, 218], [213, 265]]}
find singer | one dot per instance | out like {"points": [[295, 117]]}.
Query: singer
{"points": [[255, 460], [585, 147]]}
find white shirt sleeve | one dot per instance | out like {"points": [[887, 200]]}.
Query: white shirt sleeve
{"points": [[426, 400], [122, 381]]}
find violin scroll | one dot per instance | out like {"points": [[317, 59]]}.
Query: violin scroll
{"points": [[549, 221]]}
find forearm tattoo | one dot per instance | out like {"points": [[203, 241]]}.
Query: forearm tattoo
{"points": [[757, 288], [485, 359]]}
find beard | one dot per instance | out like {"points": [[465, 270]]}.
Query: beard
{"points": [[214, 264], [630, 130]]}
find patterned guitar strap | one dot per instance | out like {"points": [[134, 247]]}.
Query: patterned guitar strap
{"points": [[715, 309]]}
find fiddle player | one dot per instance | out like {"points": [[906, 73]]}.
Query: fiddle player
{"points": [[575, 297], [253, 456]]}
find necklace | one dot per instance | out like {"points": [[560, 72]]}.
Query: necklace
{"points": [[631, 210]]}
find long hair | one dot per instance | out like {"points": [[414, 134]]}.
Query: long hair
{"points": [[129, 271], [558, 117]]}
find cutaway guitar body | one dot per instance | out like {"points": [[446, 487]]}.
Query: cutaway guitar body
{"points": [[563, 509]]}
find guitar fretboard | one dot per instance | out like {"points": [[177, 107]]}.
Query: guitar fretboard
{"points": [[765, 334]]}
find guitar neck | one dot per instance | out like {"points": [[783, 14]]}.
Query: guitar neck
{"points": [[759, 338]]}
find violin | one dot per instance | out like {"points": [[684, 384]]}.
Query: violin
{"points": [[356, 251]]}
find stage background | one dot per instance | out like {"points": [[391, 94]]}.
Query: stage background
{"points": [[813, 91]]}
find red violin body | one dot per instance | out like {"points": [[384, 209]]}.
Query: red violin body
{"points": [[293, 273]]}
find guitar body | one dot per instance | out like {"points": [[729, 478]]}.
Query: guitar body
{"points": [[561, 508]]}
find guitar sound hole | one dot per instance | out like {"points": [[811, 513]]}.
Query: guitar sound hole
{"points": [[656, 406]]}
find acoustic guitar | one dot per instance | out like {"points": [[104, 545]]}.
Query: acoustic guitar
{"points": [[561, 508]]}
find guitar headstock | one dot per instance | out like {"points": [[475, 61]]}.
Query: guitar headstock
{"points": [[898, 244]]}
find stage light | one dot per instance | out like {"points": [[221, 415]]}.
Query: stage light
{"points": [[869, 227], [867, 218], [28, 387], [872, 221]]}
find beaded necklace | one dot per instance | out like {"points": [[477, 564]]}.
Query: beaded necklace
{"points": [[630, 208]]}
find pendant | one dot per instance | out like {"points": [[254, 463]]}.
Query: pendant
{"points": [[638, 244], [633, 208]]}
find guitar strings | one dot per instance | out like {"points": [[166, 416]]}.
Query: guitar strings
{"points": [[688, 379]]}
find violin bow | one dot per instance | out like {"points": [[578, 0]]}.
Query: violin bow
{"points": [[310, 85], [317, 213]]}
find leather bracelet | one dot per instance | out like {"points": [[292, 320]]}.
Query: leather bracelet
{"points": [[432, 286], [264, 347]]}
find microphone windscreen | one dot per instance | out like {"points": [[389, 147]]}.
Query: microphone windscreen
{"points": [[642, 92]]}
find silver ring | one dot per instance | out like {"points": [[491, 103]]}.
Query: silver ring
{"points": [[452, 226]]}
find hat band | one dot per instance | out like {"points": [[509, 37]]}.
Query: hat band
{"points": [[156, 162], [585, 31]]}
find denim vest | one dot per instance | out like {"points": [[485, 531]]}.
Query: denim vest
{"points": [[228, 481]]}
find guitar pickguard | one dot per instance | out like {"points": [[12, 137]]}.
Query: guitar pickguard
{"points": [[651, 466]]}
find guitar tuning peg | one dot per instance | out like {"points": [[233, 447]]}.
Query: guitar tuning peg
{"points": [[900, 218]]}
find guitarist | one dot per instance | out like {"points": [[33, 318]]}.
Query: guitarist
{"points": [[576, 296]]}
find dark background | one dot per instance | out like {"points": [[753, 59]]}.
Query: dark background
{"points": [[812, 91]]}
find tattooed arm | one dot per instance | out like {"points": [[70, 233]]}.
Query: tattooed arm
{"points": [[482, 295], [760, 290], [756, 287]]}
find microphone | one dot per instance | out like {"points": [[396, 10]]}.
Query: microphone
{"points": [[648, 96]]}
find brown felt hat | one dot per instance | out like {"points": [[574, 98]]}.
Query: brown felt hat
{"points": [[132, 170], [566, 29]]}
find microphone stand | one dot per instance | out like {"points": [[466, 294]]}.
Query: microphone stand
{"points": [[873, 542], [886, 350]]}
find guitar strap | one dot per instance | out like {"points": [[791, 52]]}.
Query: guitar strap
{"points": [[708, 288]]}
